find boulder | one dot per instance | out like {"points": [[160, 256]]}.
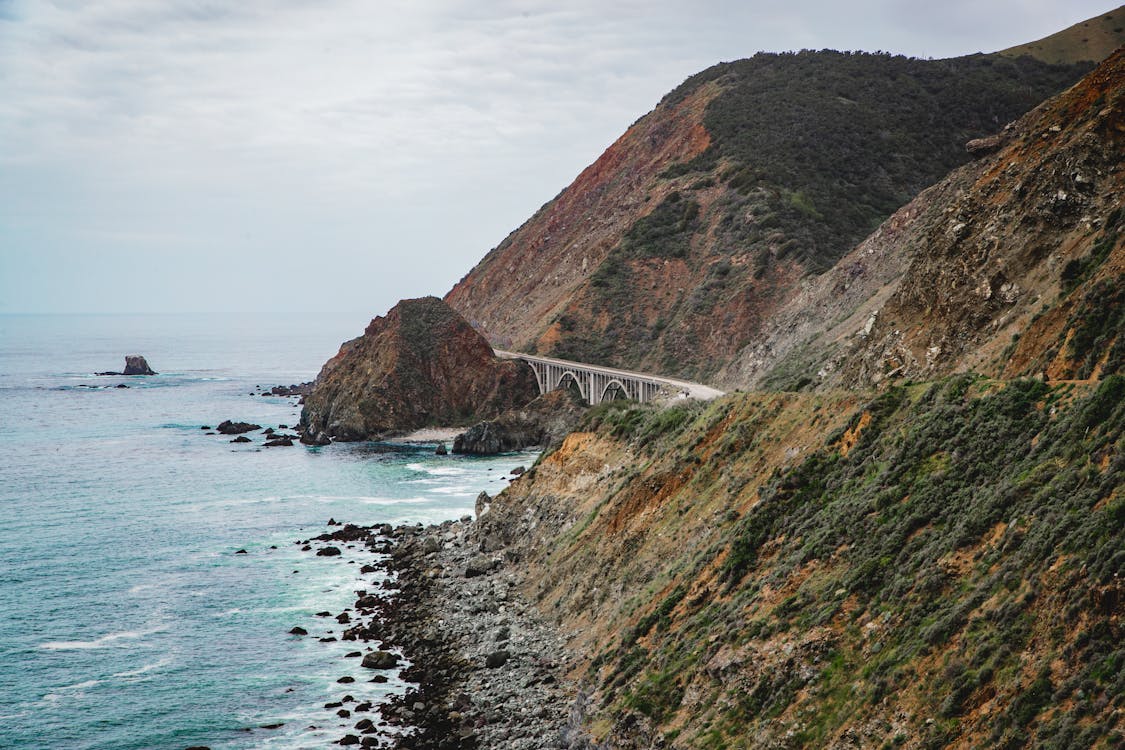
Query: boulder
{"points": [[328, 552], [241, 439], [979, 147], [227, 427], [497, 659], [421, 365], [380, 660], [135, 364], [280, 442], [480, 565]]}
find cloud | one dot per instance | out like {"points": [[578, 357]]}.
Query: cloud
{"points": [[267, 126]]}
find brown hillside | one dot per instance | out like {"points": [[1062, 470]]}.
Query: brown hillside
{"points": [[1094, 39], [672, 250], [520, 286]]}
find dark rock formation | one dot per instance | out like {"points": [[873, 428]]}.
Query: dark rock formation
{"points": [[228, 427], [543, 422], [135, 364], [420, 365], [280, 442], [380, 660]]}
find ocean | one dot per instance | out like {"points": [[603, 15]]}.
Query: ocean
{"points": [[129, 618]]}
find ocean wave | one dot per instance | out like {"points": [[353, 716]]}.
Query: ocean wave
{"points": [[394, 500], [103, 642], [144, 669]]}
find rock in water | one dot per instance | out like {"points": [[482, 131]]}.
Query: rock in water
{"points": [[135, 364], [422, 365], [227, 427], [380, 660]]}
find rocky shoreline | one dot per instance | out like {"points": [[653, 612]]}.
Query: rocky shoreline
{"points": [[484, 670]]}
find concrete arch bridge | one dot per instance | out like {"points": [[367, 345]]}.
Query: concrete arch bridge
{"points": [[597, 383]]}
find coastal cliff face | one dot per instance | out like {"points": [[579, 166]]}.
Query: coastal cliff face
{"points": [[878, 561], [1010, 266], [420, 365], [674, 250], [940, 565]]}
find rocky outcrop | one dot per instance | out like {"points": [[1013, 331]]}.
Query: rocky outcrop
{"points": [[135, 364], [544, 422], [421, 365], [227, 427]]}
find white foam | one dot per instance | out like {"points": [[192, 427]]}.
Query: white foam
{"points": [[394, 500], [104, 641], [145, 669], [80, 685]]}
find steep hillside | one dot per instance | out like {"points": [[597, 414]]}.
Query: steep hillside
{"points": [[670, 251], [1093, 39], [420, 365], [940, 566], [1010, 266]]}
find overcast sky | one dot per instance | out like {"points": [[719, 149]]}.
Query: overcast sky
{"points": [[190, 155]]}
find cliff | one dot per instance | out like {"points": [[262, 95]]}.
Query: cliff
{"points": [[420, 365], [939, 566], [675, 249]]}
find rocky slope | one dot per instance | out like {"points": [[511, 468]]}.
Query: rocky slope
{"points": [[673, 249], [543, 423], [420, 365], [940, 566], [1010, 266]]}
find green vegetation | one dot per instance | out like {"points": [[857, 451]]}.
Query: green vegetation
{"points": [[840, 140], [979, 527]]}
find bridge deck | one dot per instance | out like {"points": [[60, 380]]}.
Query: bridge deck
{"points": [[596, 381]]}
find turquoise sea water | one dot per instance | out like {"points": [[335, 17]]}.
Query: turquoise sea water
{"points": [[126, 618]]}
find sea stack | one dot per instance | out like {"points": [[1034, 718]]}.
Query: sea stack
{"points": [[135, 364], [422, 365]]}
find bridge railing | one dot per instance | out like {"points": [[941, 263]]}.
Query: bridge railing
{"points": [[595, 382]]}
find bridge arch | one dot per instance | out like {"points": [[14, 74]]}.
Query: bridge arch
{"points": [[612, 386], [568, 377]]}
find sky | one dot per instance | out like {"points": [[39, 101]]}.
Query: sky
{"points": [[336, 156]]}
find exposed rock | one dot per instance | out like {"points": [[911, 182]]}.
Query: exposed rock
{"points": [[481, 506], [280, 442], [480, 565], [979, 147], [497, 659], [420, 365], [328, 552], [544, 422], [241, 439], [135, 364], [298, 630], [380, 660], [228, 427]]}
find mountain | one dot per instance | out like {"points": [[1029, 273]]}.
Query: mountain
{"points": [[708, 215], [886, 561], [1093, 39], [1010, 266]]}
